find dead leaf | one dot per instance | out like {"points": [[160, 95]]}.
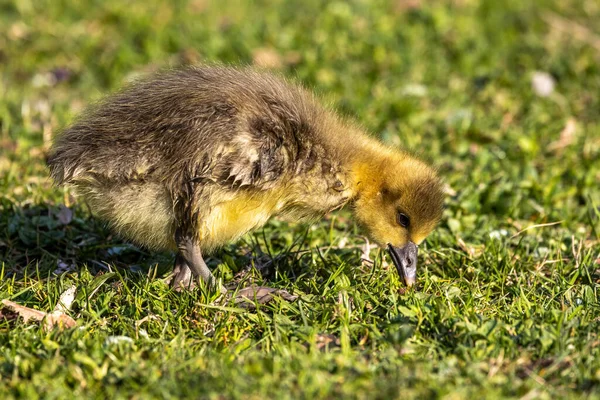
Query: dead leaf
{"points": [[58, 320], [473, 251], [266, 58], [449, 190], [51, 320], [567, 135], [24, 312], [249, 296], [327, 340], [66, 300], [365, 256]]}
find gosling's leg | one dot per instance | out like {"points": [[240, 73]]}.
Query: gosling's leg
{"points": [[182, 274], [189, 264]]}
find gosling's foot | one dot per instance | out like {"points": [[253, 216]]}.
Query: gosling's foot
{"points": [[192, 263], [252, 295], [183, 279]]}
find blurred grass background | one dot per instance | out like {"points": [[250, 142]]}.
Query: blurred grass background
{"points": [[504, 97]]}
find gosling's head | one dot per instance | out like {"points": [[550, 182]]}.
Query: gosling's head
{"points": [[399, 202]]}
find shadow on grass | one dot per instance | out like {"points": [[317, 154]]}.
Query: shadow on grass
{"points": [[49, 240]]}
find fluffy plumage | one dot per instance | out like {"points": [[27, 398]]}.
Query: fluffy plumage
{"points": [[213, 152]]}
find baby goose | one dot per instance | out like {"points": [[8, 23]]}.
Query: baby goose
{"points": [[191, 159]]}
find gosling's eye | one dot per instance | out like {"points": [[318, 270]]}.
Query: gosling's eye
{"points": [[403, 220]]}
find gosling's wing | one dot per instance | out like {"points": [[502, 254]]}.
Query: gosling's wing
{"points": [[211, 124], [256, 156], [271, 137]]}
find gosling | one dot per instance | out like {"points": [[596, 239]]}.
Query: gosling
{"points": [[191, 159]]}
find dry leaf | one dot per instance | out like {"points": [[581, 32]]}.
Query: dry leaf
{"points": [[449, 190], [327, 340], [472, 251], [365, 256], [50, 320], [567, 135], [247, 297], [66, 300], [58, 319], [267, 58], [24, 312]]}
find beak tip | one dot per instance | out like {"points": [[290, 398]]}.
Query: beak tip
{"points": [[405, 259]]}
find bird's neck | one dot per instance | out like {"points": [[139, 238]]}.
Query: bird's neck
{"points": [[365, 178], [365, 161], [367, 169]]}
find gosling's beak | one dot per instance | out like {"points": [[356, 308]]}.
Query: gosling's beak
{"points": [[405, 259]]}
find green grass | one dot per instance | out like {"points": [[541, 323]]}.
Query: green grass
{"points": [[498, 311]]}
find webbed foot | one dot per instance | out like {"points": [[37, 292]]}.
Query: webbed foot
{"points": [[189, 265], [183, 279]]}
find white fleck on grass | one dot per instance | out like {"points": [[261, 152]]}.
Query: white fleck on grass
{"points": [[541, 251], [45, 79], [112, 340], [414, 89], [498, 234], [542, 83]]}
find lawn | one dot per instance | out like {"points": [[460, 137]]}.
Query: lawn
{"points": [[502, 96]]}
